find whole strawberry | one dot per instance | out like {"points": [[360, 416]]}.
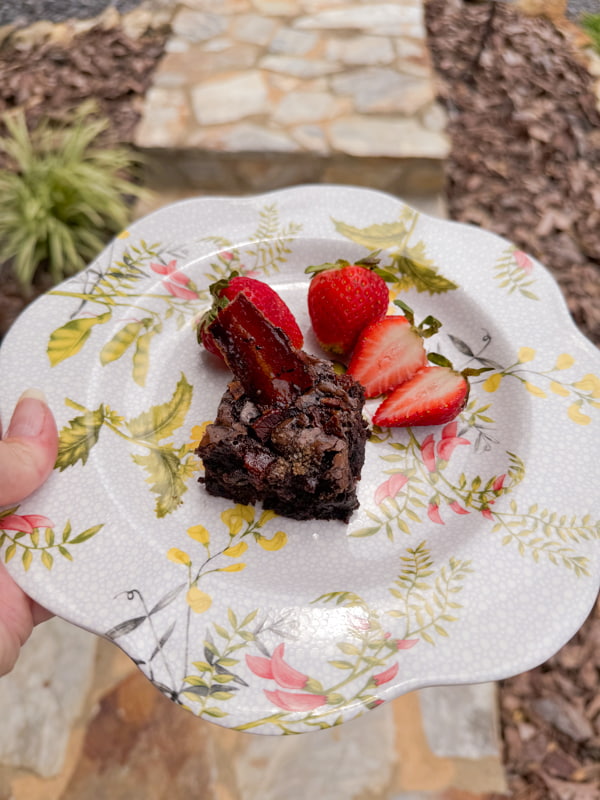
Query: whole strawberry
{"points": [[343, 298], [261, 295]]}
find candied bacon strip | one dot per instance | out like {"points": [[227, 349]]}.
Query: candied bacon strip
{"points": [[259, 354]]}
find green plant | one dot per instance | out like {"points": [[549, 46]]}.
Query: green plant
{"points": [[62, 195], [591, 25]]}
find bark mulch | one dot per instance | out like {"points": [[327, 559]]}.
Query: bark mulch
{"points": [[525, 132], [525, 163]]}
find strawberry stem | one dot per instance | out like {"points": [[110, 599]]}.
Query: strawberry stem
{"points": [[219, 302], [369, 262], [428, 327]]}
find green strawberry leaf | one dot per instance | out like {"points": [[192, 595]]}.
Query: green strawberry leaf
{"points": [[427, 328], [439, 360]]}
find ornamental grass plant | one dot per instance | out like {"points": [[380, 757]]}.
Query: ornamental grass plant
{"points": [[63, 193], [591, 25]]}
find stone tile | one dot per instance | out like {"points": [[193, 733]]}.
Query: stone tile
{"points": [[176, 45], [292, 42], [461, 721], [197, 26], [384, 90], [111, 667], [387, 19], [311, 138], [252, 138], [300, 67], [409, 48], [253, 28], [336, 764], [165, 119], [230, 99], [382, 136], [276, 8], [43, 696], [315, 6], [360, 50], [141, 745], [297, 107], [286, 83], [209, 61], [217, 45]]}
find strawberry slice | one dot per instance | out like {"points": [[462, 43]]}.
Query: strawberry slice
{"points": [[389, 352], [260, 354], [433, 396]]}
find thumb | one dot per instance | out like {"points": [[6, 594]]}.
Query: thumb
{"points": [[28, 451]]}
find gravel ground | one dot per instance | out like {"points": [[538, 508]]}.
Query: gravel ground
{"points": [[578, 7], [27, 11]]}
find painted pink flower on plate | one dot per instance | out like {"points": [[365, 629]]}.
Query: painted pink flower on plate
{"points": [[428, 452], [289, 701], [386, 675], [176, 282], [260, 666], [405, 644], [449, 441], [433, 512], [24, 523], [277, 669], [523, 261], [499, 483], [391, 487]]}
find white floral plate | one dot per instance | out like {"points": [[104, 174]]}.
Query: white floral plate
{"points": [[475, 552]]}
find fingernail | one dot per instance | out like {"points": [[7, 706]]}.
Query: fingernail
{"points": [[35, 394], [29, 415]]}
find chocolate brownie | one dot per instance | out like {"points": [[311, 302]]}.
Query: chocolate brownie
{"points": [[302, 459]]}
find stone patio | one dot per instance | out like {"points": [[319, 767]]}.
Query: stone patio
{"points": [[257, 94], [254, 95], [80, 722]]}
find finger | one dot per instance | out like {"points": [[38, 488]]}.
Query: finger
{"points": [[16, 620], [28, 451]]}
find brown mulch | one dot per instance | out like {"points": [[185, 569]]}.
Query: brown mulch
{"points": [[525, 163], [525, 131], [48, 78]]}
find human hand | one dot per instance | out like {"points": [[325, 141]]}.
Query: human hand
{"points": [[27, 455]]}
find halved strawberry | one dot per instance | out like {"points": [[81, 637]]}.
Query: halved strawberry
{"points": [[389, 352], [261, 295], [433, 396]]}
